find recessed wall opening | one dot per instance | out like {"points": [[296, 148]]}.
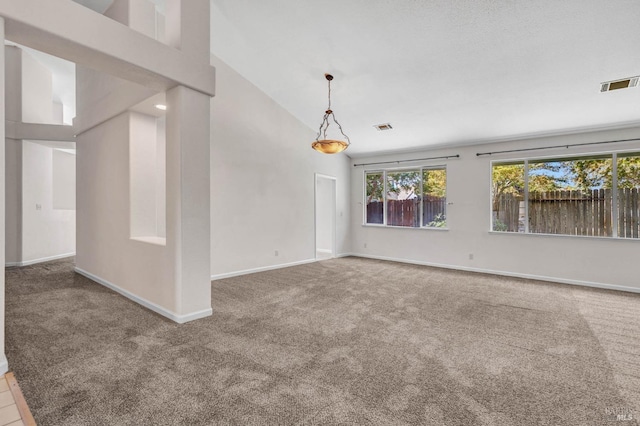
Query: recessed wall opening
{"points": [[147, 171]]}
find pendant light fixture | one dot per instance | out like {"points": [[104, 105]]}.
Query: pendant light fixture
{"points": [[324, 145]]}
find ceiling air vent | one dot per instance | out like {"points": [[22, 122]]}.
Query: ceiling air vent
{"points": [[619, 84], [385, 126]]}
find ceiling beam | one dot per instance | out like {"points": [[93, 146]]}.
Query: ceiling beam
{"points": [[73, 32]]}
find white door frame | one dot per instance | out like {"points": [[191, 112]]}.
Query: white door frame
{"points": [[315, 213]]}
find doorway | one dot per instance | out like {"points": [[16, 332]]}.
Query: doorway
{"points": [[325, 215]]}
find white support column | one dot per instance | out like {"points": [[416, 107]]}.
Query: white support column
{"points": [[188, 199], [3, 359], [188, 163]]}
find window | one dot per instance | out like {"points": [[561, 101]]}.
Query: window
{"points": [[434, 198], [568, 196], [508, 197], [408, 198], [628, 179], [375, 199], [403, 203]]}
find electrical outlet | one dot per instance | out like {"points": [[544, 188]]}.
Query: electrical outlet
{"points": [[365, 245], [470, 256], [38, 206], [276, 253]]}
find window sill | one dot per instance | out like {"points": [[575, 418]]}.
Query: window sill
{"points": [[590, 237], [423, 228]]}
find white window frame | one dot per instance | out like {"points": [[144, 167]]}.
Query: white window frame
{"points": [[421, 169], [525, 162]]}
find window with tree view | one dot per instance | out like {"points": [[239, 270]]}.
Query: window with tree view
{"points": [[590, 196], [408, 198]]}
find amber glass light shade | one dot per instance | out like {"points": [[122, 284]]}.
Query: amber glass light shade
{"points": [[324, 145], [329, 146]]}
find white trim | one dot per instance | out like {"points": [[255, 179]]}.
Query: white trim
{"points": [[505, 273], [4, 364], [327, 251], [345, 255], [180, 319], [590, 237], [334, 208], [41, 260], [428, 228], [262, 269]]}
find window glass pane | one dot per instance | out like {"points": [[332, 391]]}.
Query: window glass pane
{"points": [[507, 197], [571, 196], [375, 200], [434, 199], [403, 198], [628, 195]]}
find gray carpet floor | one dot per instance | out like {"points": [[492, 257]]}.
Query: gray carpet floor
{"points": [[342, 341]]}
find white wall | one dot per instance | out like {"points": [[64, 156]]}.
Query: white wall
{"points": [[46, 231], [64, 180], [37, 89], [104, 245], [262, 181], [3, 359], [13, 193], [563, 258], [169, 275], [35, 173]]}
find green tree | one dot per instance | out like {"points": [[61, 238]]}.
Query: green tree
{"points": [[509, 179], [629, 172], [598, 173], [591, 173], [375, 187], [434, 182], [408, 181], [506, 179]]}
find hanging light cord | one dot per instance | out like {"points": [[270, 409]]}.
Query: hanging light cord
{"points": [[322, 131]]}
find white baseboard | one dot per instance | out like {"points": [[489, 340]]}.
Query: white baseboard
{"points": [[269, 268], [40, 260], [261, 269], [324, 251], [504, 273], [4, 364], [180, 319]]}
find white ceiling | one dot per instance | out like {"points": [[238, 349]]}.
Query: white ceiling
{"points": [[444, 72]]}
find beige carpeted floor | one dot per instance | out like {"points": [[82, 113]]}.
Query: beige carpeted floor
{"points": [[342, 341]]}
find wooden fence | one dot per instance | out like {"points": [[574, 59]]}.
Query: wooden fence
{"points": [[629, 213], [406, 212], [572, 212]]}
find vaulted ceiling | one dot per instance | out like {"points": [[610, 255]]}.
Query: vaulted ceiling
{"points": [[442, 72]]}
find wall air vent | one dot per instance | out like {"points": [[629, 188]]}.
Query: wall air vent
{"points": [[385, 126], [619, 84]]}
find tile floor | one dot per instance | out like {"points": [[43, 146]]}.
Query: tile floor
{"points": [[9, 412]]}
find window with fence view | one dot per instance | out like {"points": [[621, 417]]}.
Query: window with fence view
{"points": [[409, 198], [590, 196]]}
